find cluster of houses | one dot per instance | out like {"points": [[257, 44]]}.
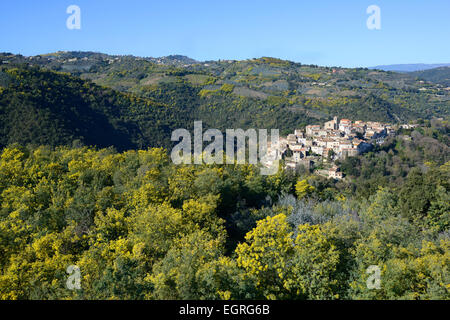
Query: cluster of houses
{"points": [[322, 145]]}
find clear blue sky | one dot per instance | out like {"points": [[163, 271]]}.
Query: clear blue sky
{"points": [[323, 32]]}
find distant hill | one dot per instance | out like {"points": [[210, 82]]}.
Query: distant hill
{"points": [[437, 75], [134, 102], [409, 67]]}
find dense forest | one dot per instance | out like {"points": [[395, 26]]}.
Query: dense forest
{"points": [[86, 180], [140, 227]]}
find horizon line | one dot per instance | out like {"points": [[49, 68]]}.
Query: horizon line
{"points": [[225, 59]]}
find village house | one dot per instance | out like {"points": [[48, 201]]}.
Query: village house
{"points": [[335, 173], [311, 128], [331, 125], [340, 139]]}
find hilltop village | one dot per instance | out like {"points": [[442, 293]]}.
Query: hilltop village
{"points": [[319, 146]]}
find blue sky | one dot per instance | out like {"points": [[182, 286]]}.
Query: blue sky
{"points": [[323, 32]]}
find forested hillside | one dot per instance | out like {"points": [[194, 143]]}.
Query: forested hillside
{"points": [[437, 75], [264, 93], [45, 107]]}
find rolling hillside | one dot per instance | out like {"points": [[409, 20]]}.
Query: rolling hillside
{"points": [[131, 102]]}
